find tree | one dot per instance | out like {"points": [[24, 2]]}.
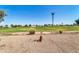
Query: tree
{"points": [[37, 25], [6, 26], [26, 25], [1, 26], [2, 14], [19, 25], [77, 21], [15, 26], [45, 25], [11, 25], [30, 25]]}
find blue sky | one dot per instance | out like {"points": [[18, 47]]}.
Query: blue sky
{"points": [[40, 14]]}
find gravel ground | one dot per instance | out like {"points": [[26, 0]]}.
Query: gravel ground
{"points": [[51, 43]]}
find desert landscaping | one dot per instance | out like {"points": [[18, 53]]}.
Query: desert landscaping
{"points": [[39, 29], [67, 42]]}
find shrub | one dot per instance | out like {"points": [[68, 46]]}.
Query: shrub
{"points": [[60, 31], [32, 31]]}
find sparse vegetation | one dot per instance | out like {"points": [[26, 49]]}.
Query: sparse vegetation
{"points": [[14, 28]]}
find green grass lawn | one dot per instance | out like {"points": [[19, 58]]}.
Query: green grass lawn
{"points": [[41, 28]]}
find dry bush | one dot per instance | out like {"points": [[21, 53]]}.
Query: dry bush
{"points": [[60, 31], [32, 31]]}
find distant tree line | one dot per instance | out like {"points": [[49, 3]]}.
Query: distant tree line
{"points": [[30, 25], [26, 25], [45, 25]]}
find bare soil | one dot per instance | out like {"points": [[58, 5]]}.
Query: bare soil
{"points": [[51, 43]]}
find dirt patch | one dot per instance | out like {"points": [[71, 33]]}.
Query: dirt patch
{"points": [[51, 43]]}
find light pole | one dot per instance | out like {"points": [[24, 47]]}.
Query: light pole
{"points": [[52, 18]]}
